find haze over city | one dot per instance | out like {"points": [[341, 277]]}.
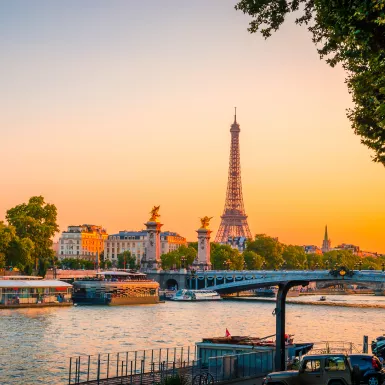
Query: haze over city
{"points": [[111, 109]]}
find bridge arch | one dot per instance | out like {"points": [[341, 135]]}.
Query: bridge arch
{"points": [[172, 284]]}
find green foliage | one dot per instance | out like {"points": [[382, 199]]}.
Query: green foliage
{"points": [[350, 33], [77, 264], [268, 248], [173, 259], [177, 379], [294, 257], [126, 260], [253, 261], [35, 225], [220, 254], [194, 245], [104, 263], [14, 251]]}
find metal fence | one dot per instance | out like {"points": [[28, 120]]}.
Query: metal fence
{"points": [[329, 347], [239, 366], [140, 367]]}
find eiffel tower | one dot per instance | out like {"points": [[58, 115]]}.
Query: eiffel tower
{"points": [[234, 218]]}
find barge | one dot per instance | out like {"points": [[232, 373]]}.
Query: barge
{"points": [[115, 288]]}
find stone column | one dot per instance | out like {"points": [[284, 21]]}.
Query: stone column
{"points": [[152, 260], [203, 259]]}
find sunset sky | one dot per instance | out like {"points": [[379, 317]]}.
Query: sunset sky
{"points": [[111, 107]]}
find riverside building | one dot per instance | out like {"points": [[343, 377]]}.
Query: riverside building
{"points": [[82, 242], [135, 243]]}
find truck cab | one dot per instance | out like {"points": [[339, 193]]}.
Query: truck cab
{"points": [[322, 369]]}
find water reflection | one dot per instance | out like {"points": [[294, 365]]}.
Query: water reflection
{"points": [[36, 343]]}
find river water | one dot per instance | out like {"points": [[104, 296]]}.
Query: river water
{"points": [[35, 344]]}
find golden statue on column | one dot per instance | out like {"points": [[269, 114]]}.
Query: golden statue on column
{"points": [[205, 221], [154, 214]]}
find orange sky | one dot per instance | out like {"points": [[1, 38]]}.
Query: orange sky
{"points": [[109, 111]]}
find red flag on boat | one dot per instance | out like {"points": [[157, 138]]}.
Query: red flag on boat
{"points": [[228, 333]]}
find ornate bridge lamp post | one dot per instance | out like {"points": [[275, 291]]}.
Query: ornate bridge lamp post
{"points": [[263, 266], [316, 267], [283, 265], [245, 266], [182, 262], [360, 265], [192, 277], [383, 266], [227, 264]]}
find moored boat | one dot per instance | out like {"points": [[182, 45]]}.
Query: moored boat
{"points": [[116, 288], [30, 291], [196, 295]]}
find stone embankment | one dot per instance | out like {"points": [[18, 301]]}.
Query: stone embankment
{"points": [[313, 303]]}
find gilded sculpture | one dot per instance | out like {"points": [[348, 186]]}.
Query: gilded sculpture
{"points": [[205, 221], [155, 214]]}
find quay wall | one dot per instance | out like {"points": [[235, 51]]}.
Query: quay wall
{"points": [[313, 303]]}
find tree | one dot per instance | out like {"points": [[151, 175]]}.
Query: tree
{"points": [[14, 251], [173, 259], [350, 33], [294, 257], [268, 248], [221, 254], [253, 261], [125, 260], [340, 257], [36, 221], [7, 235]]}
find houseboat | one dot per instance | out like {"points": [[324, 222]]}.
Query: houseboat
{"points": [[209, 349], [28, 291], [196, 295], [115, 288]]}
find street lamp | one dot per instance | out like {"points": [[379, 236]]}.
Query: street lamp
{"points": [[316, 267], [283, 265], [227, 264], [263, 266], [182, 261], [244, 265], [359, 265], [383, 266]]}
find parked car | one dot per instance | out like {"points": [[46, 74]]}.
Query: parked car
{"points": [[331, 369], [370, 370]]}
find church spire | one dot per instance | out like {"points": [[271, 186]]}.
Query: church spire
{"points": [[326, 244]]}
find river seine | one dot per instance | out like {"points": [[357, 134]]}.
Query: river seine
{"points": [[35, 344]]}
